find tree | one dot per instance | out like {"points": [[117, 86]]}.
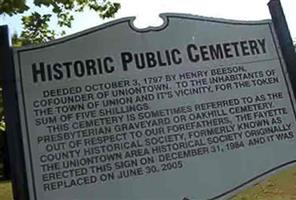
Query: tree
{"points": [[36, 27]]}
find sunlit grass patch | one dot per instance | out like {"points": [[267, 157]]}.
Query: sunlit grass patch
{"points": [[279, 187], [5, 190]]}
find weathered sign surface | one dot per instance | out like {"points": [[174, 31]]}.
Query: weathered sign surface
{"points": [[195, 109]]}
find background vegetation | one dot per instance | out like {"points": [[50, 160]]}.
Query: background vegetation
{"points": [[36, 28]]}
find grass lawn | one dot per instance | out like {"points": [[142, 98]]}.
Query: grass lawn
{"points": [[279, 187], [5, 190]]}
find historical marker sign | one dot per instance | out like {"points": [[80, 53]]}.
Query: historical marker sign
{"points": [[195, 109]]}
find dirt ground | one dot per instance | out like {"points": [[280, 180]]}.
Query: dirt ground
{"points": [[279, 187]]}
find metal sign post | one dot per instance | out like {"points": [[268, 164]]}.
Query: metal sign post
{"points": [[284, 37], [14, 140]]}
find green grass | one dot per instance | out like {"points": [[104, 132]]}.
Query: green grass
{"points": [[281, 186], [5, 190]]}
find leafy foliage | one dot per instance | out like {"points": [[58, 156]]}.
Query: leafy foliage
{"points": [[12, 7], [36, 27]]}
